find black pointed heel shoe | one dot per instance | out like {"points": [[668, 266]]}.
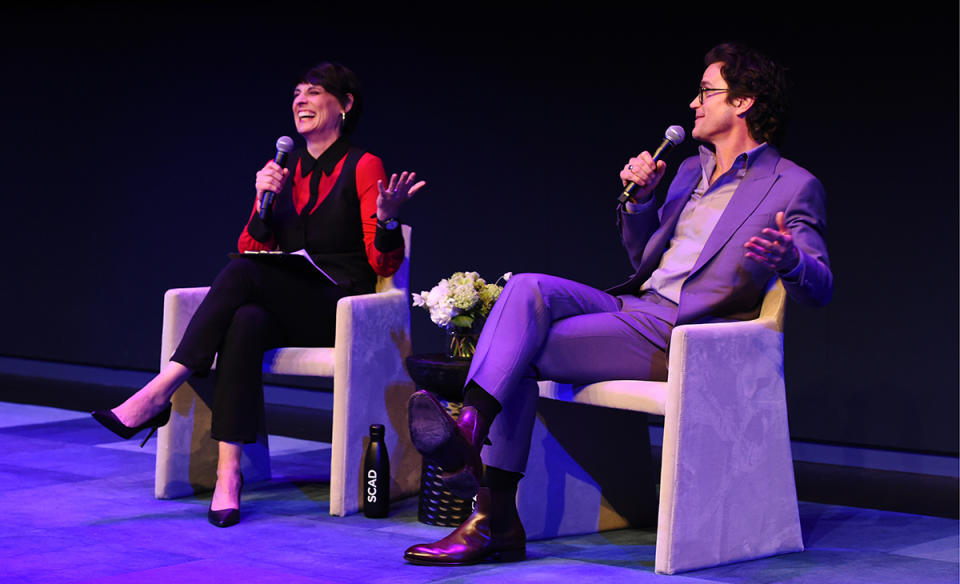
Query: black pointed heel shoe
{"points": [[225, 517], [112, 422]]}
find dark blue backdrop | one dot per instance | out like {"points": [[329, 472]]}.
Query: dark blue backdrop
{"points": [[132, 135]]}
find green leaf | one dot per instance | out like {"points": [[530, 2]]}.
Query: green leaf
{"points": [[462, 320]]}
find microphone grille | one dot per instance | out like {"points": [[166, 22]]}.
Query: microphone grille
{"points": [[285, 143], [675, 134]]}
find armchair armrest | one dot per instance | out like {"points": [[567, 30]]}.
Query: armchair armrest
{"points": [[728, 355], [386, 311], [726, 446], [179, 304], [371, 386]]}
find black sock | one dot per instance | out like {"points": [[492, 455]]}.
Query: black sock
{"points": [[497, 479], [483, 402], [503, 497]]}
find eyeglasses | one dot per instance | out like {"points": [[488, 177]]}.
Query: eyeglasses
{"points": [[703, 90]]}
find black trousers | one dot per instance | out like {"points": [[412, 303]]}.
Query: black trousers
{"points": [[255, 304]]}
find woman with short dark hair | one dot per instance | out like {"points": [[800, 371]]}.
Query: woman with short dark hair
{"points": [[334, 214]]}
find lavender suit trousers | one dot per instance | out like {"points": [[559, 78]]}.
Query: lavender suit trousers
{"points": [[544, 327]]}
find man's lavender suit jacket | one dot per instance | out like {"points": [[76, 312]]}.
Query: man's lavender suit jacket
{"points": [[723, 284]]}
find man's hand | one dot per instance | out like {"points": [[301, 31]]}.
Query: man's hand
{"points": [[645, 173], [775, 249]]}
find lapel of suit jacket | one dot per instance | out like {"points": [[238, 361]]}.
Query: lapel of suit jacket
{"points": [[755, 185]]}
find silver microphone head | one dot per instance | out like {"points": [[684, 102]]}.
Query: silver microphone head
{"points": [[675, 134], [285, 143]]}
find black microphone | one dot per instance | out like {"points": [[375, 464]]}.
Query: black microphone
{"points": [[284, 146], [674, 136]]}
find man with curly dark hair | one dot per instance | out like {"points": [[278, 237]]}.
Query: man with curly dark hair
{"points": [[734, 217], [749, 73]]}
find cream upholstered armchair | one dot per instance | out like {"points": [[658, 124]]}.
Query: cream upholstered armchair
{"points": [[370, 385], [727, 489]]}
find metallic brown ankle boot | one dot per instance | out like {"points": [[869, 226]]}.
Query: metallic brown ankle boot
{"points": [[475, 540]]}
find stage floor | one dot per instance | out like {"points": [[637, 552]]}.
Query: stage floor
{"points": [[76, 505]]}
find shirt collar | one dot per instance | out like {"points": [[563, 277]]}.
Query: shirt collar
{"points": [[743, 162], [327, 161]]}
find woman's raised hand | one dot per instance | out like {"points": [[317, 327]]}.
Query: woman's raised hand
{"points": [[396, 193]]}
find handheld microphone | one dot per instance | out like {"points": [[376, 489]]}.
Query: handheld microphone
{"points": [[674, 136], [284, 146]]}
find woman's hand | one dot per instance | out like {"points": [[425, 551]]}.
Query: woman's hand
{"points": [[270, 178], [396, 194]]}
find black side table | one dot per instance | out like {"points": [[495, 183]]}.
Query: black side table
{"points": [[444, 378]]}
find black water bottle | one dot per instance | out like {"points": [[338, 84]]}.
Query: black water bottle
{"points": [[376, 475]]}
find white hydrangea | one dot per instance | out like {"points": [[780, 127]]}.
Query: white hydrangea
{"points": [[463, 299]]}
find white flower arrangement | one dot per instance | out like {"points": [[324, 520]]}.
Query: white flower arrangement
{"points": [[462, 301]]}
